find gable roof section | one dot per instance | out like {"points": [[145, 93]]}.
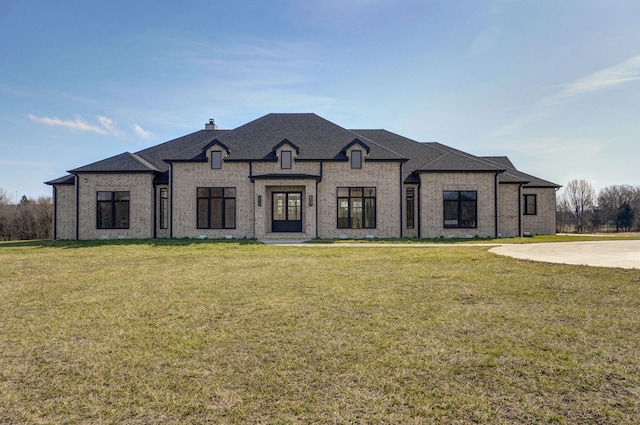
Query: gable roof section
{"points": [[68, 179], [428, 157], [124, 163], [315, 137], [517, 176], [185, 147]]}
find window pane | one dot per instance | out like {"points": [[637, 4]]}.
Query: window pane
{"points": [[343, 213], [450, 213], [285, 159], [105, 218], [279, 211], [370, 213], [164, 193], [203, 213], [216, 160], [122, 215], [356, 159], [343, 191], [216, 192], [105, 196], [203, 192], [468, 196], [530, 204], [121, 196], [369, 191], [230, 213], [468, 212], [356, 213], [356, 191], [216, 213], [410, 208], [229, 192], [164, 212], [450, 195], [294, 206]]}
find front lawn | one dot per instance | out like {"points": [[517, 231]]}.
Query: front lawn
{"points": [[174, 332]]}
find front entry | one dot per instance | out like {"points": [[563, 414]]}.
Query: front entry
{"points": [[286, 212]]}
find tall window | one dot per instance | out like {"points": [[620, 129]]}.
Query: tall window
{"points": [[410, 207], [356, 207], [113, 210], [460, 208], [285, 160], [216, 208], [164, 208], [216, 160], [530, 205], [356, 159]]}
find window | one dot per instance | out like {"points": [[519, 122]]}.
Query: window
{"points": [[216, 160], [356, 159], [460, 208], [216, 208], [113, 210], [530, 205], [164, 208], [410, 207], [356, 207], [285, 160]]}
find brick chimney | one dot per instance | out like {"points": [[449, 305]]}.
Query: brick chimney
{"points": [[211, 125]]}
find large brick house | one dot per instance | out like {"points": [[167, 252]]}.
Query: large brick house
{"points": [[285, 176]]}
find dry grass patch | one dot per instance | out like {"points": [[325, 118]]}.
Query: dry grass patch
{"points": [[204, 332]]}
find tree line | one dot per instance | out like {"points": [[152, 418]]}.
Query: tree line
{"points": [[29, 219], [614, 209]]}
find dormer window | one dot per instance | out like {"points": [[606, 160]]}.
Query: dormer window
{"points": [[216, 160], [356, 159], [285, 160]]}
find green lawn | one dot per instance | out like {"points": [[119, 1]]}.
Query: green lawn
{"points": [[174, 332]]}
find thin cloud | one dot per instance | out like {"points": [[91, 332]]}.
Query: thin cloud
{"points": [[105, 126], [616, 75], [140, 132]]}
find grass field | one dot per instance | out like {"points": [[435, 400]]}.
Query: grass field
{"points": [[174, 332]]}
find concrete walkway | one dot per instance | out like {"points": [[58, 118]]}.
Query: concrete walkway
{"points": [[622, 254]]}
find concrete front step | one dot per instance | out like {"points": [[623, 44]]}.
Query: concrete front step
{"points": [[285, 237]]}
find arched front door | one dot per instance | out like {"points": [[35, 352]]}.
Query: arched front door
{"points": [[286, 212]]}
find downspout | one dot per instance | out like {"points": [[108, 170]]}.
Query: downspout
{"points": [[495, 201], [55, 213], [255, 204], [155, 210], [401, 210], [171, 200], [316, 204], [419, 208], [77, 208], [520, 210]]}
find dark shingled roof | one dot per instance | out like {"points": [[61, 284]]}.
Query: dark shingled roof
{"points": [[512, 175], [316, 139], [124, 163], [68, 179]]}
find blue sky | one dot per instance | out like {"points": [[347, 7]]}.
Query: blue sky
{"points": [[553, 84]]}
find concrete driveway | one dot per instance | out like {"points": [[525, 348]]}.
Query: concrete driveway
{"points": [[622, 254]]}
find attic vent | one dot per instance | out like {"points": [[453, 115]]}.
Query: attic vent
{"points": [[211, 125]]}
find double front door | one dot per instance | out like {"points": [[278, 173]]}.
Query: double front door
{"points": [[286, 212]]}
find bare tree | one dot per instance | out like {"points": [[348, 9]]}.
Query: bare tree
{"points": [[30, 219], [612, 198], [578, 199]]}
